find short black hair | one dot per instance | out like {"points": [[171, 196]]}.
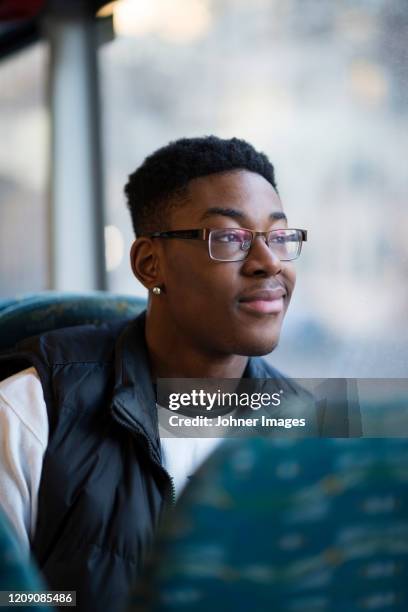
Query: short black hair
{"points": [[161, 181]]}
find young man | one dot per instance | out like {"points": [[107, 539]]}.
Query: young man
{"points": [[84, 475]]}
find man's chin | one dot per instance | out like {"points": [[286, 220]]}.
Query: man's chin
{"points": [[258, 348]]}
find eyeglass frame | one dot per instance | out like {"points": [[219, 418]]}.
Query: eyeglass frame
{"points": [[204, 234]]}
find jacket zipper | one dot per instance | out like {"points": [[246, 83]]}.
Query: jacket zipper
{"points": [[172, 491]]}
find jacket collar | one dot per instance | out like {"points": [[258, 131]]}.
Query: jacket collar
{"points": [[134, 401], [257, 368]]}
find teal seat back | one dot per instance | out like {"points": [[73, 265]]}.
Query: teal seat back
{"points": [[312, 525], [17, 573], [37, 313]]}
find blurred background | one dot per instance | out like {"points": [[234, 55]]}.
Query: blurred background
{"points": [[88, 90]]}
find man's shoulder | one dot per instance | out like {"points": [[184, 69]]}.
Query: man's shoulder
{"points": [[22, 405], [78, 344], [81, 343]]}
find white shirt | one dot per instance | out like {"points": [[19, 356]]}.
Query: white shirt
{"points": [[24, 439]]}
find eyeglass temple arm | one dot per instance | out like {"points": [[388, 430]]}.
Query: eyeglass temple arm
{"points": [[174, 234]]}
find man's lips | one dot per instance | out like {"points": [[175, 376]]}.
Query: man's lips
{"points": [[268, 301]]}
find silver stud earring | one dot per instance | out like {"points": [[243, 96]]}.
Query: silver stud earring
{"points": [[156, 290]]}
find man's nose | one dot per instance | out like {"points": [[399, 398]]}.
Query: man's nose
{"points": [[261, 260]]}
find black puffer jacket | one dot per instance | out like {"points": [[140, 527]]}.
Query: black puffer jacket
{"points": [[103, 488]]}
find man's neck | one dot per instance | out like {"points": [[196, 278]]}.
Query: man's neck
{"points": [[172, 358], [176, 364]]}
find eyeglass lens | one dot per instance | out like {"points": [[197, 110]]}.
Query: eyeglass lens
{"points": [[234, 244]]}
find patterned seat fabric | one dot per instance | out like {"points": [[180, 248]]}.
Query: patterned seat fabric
{"points": [[17, 573], [36, 313], [290, 526]]}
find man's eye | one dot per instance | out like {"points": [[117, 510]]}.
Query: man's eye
{"points": [[229, 237], [280, 239]]}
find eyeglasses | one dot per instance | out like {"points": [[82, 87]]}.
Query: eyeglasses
{"points": [[234, 244]]}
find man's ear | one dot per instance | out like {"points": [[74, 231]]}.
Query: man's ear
{"points": [[145, 262]]}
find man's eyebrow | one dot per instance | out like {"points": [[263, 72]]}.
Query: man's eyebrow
{"points": [[237, 214]]}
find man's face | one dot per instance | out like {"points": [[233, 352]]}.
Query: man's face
{"points": [[218, 307]]}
